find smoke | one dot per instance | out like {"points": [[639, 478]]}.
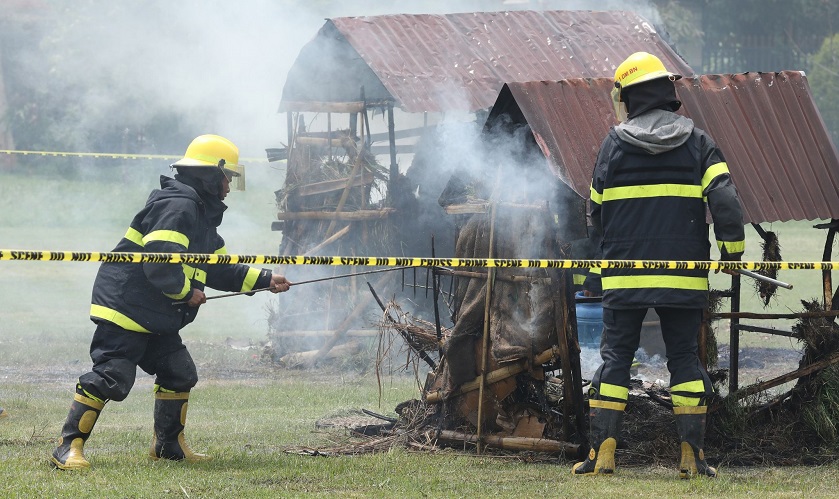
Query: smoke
{"points": [[148, 75]]}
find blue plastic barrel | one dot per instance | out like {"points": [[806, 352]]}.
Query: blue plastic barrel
{"points": [[589, 323]]}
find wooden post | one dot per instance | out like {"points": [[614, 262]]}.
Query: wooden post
{"points": [[485, 342], [394, 168], [827, 281], [734, 334]]}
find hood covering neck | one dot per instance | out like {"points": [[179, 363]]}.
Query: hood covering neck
{"points": [[654, 94], [213, 206], [656, 131]]}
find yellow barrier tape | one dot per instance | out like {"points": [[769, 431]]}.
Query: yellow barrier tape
{"points": [[108, 155], [126, 257]]}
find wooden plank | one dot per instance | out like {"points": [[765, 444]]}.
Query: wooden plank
{"points": [[366, 178], [493, 377], [321, 141], [350, 216], [356, 333], [324, 107], [482, 208], [514, 443]]}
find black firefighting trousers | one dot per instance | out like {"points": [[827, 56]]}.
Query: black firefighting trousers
{"points": [[621, 336], [116, 353]]}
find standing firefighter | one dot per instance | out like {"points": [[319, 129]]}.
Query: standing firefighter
{"points": [[654, 173], [137, 322]]}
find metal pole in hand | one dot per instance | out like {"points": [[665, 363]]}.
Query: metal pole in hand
{"points": [[764, 278], [299, 283]]}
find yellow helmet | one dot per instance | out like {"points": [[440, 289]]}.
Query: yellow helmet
{"points": [[638, 68], [641, 67], [214, 151]]}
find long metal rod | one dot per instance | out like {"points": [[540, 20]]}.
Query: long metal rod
{"points": [[299, 283], [764, 278]]}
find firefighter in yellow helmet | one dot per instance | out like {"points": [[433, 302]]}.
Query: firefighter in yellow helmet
{"points": [[653, 178], [135, 306]]}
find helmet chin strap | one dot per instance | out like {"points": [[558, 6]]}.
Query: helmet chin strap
{"points": [[221, 164]]}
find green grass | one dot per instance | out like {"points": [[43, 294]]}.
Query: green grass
{"points": [[247, 426], [247, 414]]}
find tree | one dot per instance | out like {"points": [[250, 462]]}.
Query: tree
{"points": [[824, 82]]}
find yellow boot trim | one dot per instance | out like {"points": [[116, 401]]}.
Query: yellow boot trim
{"points": [[605, 459], [688, 468], [90, 402], [172, 395], [75, 458], [191, 456]]}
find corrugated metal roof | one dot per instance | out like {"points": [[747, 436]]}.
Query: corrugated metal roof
{"points": [[460, 61], [781, 157]]}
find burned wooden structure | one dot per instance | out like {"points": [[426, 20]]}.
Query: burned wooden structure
{"points": [[345, 193], [511, 385]]}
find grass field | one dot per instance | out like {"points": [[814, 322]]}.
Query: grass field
{"points": [[248, 414]]}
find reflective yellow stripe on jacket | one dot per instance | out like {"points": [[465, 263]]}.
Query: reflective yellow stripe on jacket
{"points": [[652, 191], [121, 320], [655, 281], [139, 239]]}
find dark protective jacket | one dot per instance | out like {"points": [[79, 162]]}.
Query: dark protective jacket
{"points": [[139, 297], [653, 176]]}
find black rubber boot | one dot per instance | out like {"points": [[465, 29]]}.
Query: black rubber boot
{"points": [[604, 428], [169, 420], [84, 412], [690, 422]]}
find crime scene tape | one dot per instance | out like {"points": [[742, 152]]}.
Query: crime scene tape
{"points": [[213, 259], [108, 155]]}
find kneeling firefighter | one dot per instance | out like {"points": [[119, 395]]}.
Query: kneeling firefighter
{"points": [[653, 178], [134, 306]]}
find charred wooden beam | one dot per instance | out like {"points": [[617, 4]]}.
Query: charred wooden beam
{"points": [[752, 315], [329, 107], [321, 141], [483, 208], [366, 178], [340, 331], [329, 240], [493, 377], [350, 216], [484, 275], [514, 443], [356, 333], [785, 378]]}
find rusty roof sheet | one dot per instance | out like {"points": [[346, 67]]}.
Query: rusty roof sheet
{"points": [[780, 154], [460, 61]]}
